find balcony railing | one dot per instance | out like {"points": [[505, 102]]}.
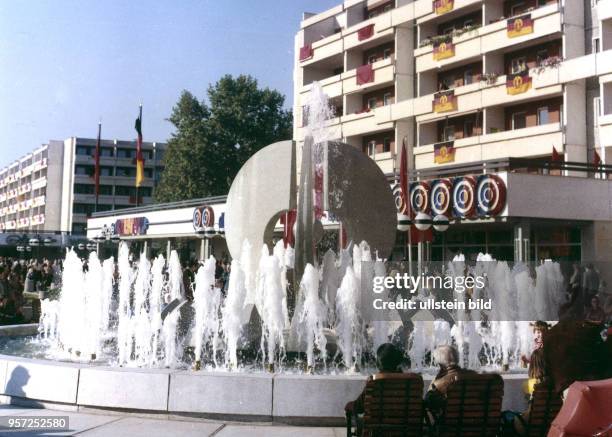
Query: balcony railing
{"points": [[490, 38], [540, 165]]}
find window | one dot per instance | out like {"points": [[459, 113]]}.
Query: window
{"points": [[106, 190], [387, 99], [543, 115], [372, 59], [519, 120], [106, 152], [83, 151], [125, 191], [518, 64], [338, 71], [448, 30], [106, 171], [82, 208], [387, 8], [79, 228], [468, 22], [468, 128], [541, 56], [595, 45], [83, 170], [467, 76], [371, 147], [387, 53], [517, 8], [126, 153], [372, 103], [449, 133], [387, 145], [83, 189], [125, 172], [597, 109]]}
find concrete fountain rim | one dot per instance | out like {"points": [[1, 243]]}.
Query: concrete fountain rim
{"points": [[301, 399]]}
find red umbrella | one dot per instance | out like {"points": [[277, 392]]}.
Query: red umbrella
{"points": [[587, 410]]}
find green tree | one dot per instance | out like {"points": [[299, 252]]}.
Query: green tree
{"points": [[202, 158]]}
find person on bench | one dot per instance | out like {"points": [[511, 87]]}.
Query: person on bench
{"points": [[388, 360], [447, 359]]}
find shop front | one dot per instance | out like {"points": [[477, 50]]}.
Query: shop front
{"points": [[195, 229]]}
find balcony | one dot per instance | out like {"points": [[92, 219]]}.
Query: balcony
{"points": [[384, 161], [40, 164], [323, 49], [39, 183], [545, 83], [489, 38], [384, 75], [332, 125], [383, 29], [331, 86], [358, 124], [460, 7], [529, 142]]}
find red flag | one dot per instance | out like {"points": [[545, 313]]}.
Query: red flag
{"points": [[555, 155], [97, 166], [404, 178], [365, 32], [306, 52], [365, 74], [596, 158]]}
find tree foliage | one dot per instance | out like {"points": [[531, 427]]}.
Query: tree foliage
{"points": [[202, 157]]}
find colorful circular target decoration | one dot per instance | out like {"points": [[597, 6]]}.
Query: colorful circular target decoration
{"points": [[464, 197], [490, 195], [440, 197], [208, 217], [419, 198], [203, 218], [400, 204], [197, 219]]}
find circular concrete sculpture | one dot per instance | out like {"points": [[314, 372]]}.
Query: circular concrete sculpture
{"points": [[334, 177]]}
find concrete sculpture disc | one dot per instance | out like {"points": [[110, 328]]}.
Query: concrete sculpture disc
{"points": [[354, 191]]}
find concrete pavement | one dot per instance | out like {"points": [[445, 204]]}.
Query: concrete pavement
{"points": [[94, 424]]}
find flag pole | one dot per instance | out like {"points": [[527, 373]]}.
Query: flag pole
{"points": [[97, 168], [138, 155]]}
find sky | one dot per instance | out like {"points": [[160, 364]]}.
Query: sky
{"points": [[66, 64]]}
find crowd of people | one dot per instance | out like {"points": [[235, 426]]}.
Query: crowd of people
{"points": [[589, 298], [21, 280], [222, 274]]}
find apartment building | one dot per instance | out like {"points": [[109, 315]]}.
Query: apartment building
{"points": [[473, 88], [51, 190]]}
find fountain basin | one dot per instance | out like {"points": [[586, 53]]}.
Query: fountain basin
{"points": [[248, 396]]}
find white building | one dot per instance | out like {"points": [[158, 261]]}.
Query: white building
{"points": [[51, 190], [442, 76]]}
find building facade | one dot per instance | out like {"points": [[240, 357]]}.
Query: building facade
{"points": [[475, 87], [51, 190]]}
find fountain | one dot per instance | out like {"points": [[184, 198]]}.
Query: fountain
{"points": [[137, 343]]}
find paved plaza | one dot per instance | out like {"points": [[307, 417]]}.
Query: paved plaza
{"points": [[96, 424]]}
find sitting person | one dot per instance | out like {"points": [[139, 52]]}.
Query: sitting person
{"points": [[595, 313], [514, 423], [447, 359], [388, 360]]}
